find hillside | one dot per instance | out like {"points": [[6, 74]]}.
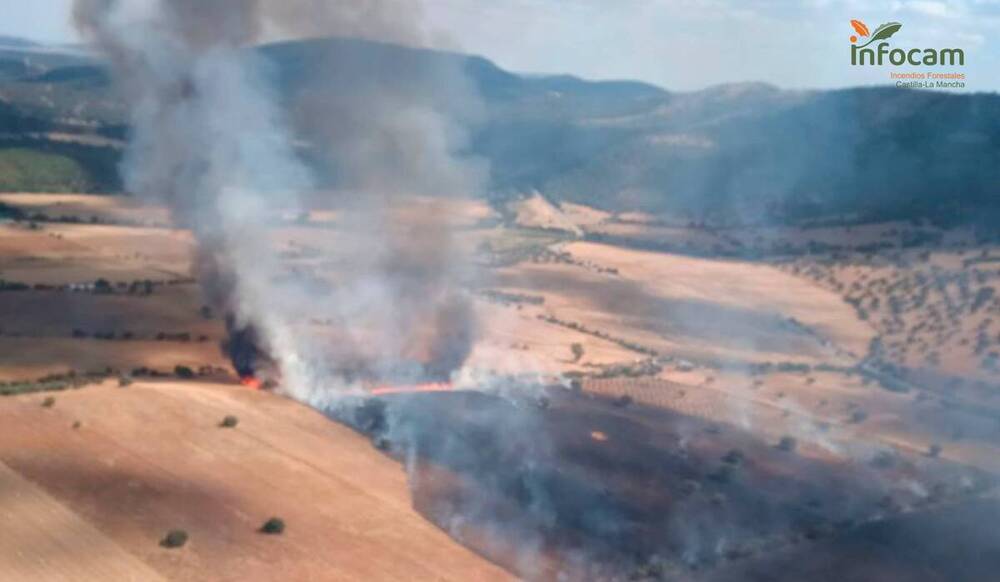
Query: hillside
{"points": [[728, 154], [95, 481]]}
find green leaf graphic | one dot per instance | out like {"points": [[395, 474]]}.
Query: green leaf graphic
{"points": [[883, 32]]}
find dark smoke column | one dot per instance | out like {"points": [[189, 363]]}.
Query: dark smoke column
{"points": [[209, 140]]}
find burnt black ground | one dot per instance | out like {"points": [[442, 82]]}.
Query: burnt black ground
{"points": [[561, 481]]}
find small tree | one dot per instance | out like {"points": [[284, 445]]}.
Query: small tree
{"points": [[273, 526], [49, 402], [382, 443], [787, 444], [183, 372], [229, 421], [733, 457], [175, 538], [577, 350]]}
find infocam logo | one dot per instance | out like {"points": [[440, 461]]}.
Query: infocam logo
{"points": [[861, 55]]}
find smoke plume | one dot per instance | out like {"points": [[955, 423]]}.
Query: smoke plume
{"points": [[214, 140]]}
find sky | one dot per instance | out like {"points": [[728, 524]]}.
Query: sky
{"points": [[677, 44]]}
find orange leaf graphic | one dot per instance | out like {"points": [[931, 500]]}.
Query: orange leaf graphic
{"points": [[860, 27]]}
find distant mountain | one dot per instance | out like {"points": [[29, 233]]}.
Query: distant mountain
{"points": [[15, 42], [744, 152]]}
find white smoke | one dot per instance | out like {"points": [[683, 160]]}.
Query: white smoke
{"points": [[211, 140]]}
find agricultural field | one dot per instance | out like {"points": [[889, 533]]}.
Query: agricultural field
{"points": [[805, 365]]}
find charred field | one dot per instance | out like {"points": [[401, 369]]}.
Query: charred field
{"points": [[564, 483]]}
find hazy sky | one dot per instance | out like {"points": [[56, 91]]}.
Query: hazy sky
{"points": [[679, 44]]}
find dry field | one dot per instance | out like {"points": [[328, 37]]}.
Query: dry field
{"points": [[87, 208], [784, 346], [91, 501], [911, 300]]}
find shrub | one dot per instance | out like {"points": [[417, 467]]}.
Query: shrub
{"points": [[175, 538], [49, 402], [623, 401], [273, 526], [183, 372], [883, 460], [229, 421], [690, 487], [724, 474], [787, 444], [733, 457], [577, 350], [124, 381]]}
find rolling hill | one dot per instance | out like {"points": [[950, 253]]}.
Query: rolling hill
{"points": [[728, 154]]}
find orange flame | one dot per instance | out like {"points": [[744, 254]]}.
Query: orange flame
{"points": [[250, 382], [413, 389]]}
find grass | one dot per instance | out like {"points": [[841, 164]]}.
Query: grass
{"points": [[52, 383], [31, 387], [28, 170], [45, 166]]}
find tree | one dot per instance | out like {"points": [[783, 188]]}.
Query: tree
{"points": [[273, 526], [733, 457], [577, 350], [175, 538], [787, 444]]}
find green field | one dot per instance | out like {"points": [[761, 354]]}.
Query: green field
{"points": [[57, 168]]}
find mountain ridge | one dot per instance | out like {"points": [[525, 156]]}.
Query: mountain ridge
{"points": [[739, 152]]}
